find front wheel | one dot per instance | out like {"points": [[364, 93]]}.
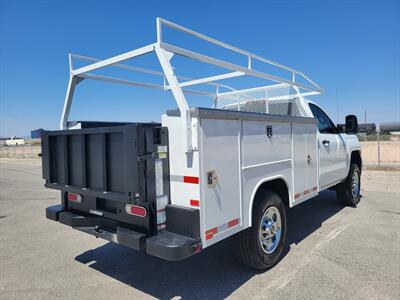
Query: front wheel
{"points": [[348, 191], [261, 245]]}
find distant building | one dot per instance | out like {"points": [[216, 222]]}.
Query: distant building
{"points": [[390, 127], [37, 134], [15, 142], [366, 128]]}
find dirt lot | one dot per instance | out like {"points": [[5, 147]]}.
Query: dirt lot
{"points": [[333, 252], [21, 151]]}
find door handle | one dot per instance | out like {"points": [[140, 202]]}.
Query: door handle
{"points": [[325, 142]]}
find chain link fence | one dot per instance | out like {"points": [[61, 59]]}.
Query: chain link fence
{"points": [[382, 151]]}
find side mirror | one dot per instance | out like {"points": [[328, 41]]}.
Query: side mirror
{"points": [[351, 124]]}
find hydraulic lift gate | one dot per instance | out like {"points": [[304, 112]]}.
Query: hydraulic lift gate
{"points": [[110, 167]]}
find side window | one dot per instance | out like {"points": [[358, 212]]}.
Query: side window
{"points": [[325, 125]]}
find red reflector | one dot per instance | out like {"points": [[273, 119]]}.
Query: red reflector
{"points": [[233, 223], [190, 179], [212, 231], [194, 202], [136, 210], [196, 248], [209, 236], [74, 197]]}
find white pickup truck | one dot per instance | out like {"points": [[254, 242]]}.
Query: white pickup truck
{"points": [[203, 174]]}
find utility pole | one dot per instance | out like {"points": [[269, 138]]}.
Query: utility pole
{"points": [[365, 117], [337, 107], [379, 147]]}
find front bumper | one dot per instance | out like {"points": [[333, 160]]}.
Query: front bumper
{"points": [[166, 245]]}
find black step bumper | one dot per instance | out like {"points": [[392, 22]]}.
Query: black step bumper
{"points": [[165, 245]]}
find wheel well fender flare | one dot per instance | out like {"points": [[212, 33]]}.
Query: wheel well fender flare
{"points": [[259, 185], [355, 156]]}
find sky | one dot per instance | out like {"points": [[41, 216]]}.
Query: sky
{"points": [[350, 48]]}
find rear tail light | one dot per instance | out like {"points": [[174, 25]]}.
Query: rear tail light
{"points": [[196, 248], [74, 197], [135, 210]]}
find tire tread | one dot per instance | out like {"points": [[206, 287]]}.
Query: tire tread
{"points": [[343, 189], [244, 246]]}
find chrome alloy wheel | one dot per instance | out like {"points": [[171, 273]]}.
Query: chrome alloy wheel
{"points": [[355, 185], [270, 229]]}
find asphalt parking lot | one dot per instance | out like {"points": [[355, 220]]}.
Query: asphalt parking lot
{"points": [[333, 252]]}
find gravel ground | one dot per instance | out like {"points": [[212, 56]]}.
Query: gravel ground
{"points": [[334, 251]]}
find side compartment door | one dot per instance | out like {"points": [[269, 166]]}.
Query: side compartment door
{"points": [[220, 157], [305, 162], [312, 159]]}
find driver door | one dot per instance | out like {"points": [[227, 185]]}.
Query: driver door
{"points": [[331, 165]]}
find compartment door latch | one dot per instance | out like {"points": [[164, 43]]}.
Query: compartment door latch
{"points": [[269, 130], [212, 178]]}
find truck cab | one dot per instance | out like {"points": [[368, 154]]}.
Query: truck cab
{"points": [[335, 148]]}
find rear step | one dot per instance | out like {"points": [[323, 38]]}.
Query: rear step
{"points": [[172, 246], [166, 245]]}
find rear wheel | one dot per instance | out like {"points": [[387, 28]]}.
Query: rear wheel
{"points": [[261, 245], [348, 191]]}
